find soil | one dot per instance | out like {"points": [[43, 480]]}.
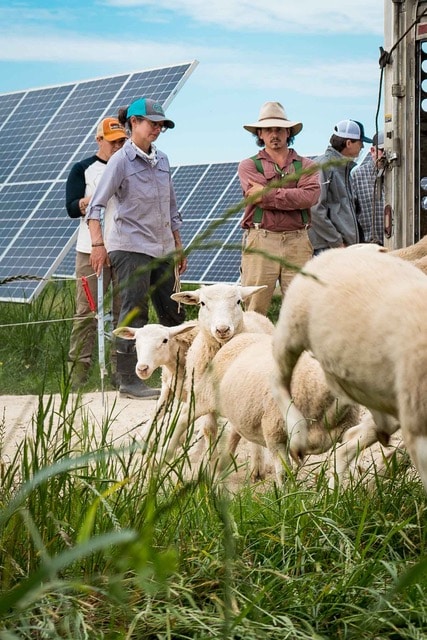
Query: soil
{"points": [[129, 418]]}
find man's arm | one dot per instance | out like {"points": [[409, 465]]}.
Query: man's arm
{"points": [[75, 188]]}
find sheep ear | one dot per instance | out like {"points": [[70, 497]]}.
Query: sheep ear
{"points": [[247, 292], [182, 328], [127, 333], [187, 297]]}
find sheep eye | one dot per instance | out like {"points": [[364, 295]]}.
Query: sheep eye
{"points": [[165, 341], [202, 304]]}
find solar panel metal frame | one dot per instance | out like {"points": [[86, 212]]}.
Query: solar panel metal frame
{"points": [[47, 187]]}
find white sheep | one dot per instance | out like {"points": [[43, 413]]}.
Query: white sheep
{"points": [[166, 347], [362, 314], [413, 252], [421, 264], [220, 317], [237, 385]]}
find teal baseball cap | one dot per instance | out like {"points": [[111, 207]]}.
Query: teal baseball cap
{"points": [[149, 109]]}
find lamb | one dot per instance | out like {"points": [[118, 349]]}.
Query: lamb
{"points": [[237, 386], [166, 347], [362, 314], [220, 317]]}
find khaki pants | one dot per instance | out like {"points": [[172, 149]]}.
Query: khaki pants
{"points": [[288, 247], [85, 325]]}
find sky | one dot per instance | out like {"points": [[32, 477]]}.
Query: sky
{"points": [[319, 58]]}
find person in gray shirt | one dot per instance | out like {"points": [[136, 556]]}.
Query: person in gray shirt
{"points": [[333, 219], [144, 242]]}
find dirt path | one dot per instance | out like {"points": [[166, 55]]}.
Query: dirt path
{"points": [[127, 419]]}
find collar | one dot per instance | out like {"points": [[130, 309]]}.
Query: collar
{"points": [[149, 157]]}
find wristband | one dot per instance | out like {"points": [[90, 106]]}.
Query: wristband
{"points": [[98, 244]]}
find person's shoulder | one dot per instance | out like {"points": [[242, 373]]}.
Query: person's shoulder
{"points": [[249, 162], [161, 155], [79, 168], [86, 162], [365, 167], [305, 160], [162, 160]]}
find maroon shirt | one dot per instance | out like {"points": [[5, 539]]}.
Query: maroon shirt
{"points": [[282, 206]]}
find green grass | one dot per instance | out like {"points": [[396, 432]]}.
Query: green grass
{"points": [[109, 545], [102, 542]]}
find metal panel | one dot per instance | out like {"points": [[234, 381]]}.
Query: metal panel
{"points": [[42, 133]]}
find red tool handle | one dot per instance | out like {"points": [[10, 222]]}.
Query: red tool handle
{"points": [[89, 297]]}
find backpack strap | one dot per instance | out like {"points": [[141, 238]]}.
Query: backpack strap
{"points": [[257, 217]]}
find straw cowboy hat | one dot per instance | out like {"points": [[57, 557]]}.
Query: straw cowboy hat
{"points": [[272, 114]]}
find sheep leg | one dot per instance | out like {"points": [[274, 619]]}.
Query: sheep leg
{"points": [[296, 425], [417, 449], [210, 433], [230, 447], [280, 458], [178, 432], [257, 462], [373, 428], [276, 441]]}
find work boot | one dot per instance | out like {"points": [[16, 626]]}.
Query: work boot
{"points": [[130, 385], [133, 387]]}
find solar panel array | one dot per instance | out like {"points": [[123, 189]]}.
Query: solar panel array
{"points": [[42, 133], [207, 196]]}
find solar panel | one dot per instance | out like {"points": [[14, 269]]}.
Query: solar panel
{"points": [[42, 133], [205, 194]]}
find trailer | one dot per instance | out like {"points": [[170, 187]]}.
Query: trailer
{"points": [[403, 64]]}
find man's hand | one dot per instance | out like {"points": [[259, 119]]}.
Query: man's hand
{"points": [[99, 258], [254, 189]]}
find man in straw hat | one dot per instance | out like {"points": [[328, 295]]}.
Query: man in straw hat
{"points": [[275, 221], [333, 219]]}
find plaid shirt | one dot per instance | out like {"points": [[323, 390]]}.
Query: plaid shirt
{"points": [[369, 201]]}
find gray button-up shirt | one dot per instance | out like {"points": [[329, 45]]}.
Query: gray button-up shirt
{"points": [[146, 213]]}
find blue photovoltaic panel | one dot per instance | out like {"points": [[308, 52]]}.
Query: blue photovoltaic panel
{"points": [[36, 233], [211, 226]]}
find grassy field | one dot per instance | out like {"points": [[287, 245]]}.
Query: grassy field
{"points": [[98, 542]]}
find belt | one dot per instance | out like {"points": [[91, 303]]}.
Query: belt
{"points": [[256, 227]]}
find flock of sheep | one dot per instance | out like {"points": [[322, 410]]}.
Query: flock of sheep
{"points": [[345, 362]]}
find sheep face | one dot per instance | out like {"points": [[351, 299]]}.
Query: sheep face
{"points": [[152, 344], [220, 308]]}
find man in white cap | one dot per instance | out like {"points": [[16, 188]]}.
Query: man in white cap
{"points": [[81, 182], [333, 219], [276, 220], [368, 191]]}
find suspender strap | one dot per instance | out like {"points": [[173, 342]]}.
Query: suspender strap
{"points": [[257, 217]]}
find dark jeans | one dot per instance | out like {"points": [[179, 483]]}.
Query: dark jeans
{"points": [[141, 277]]}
